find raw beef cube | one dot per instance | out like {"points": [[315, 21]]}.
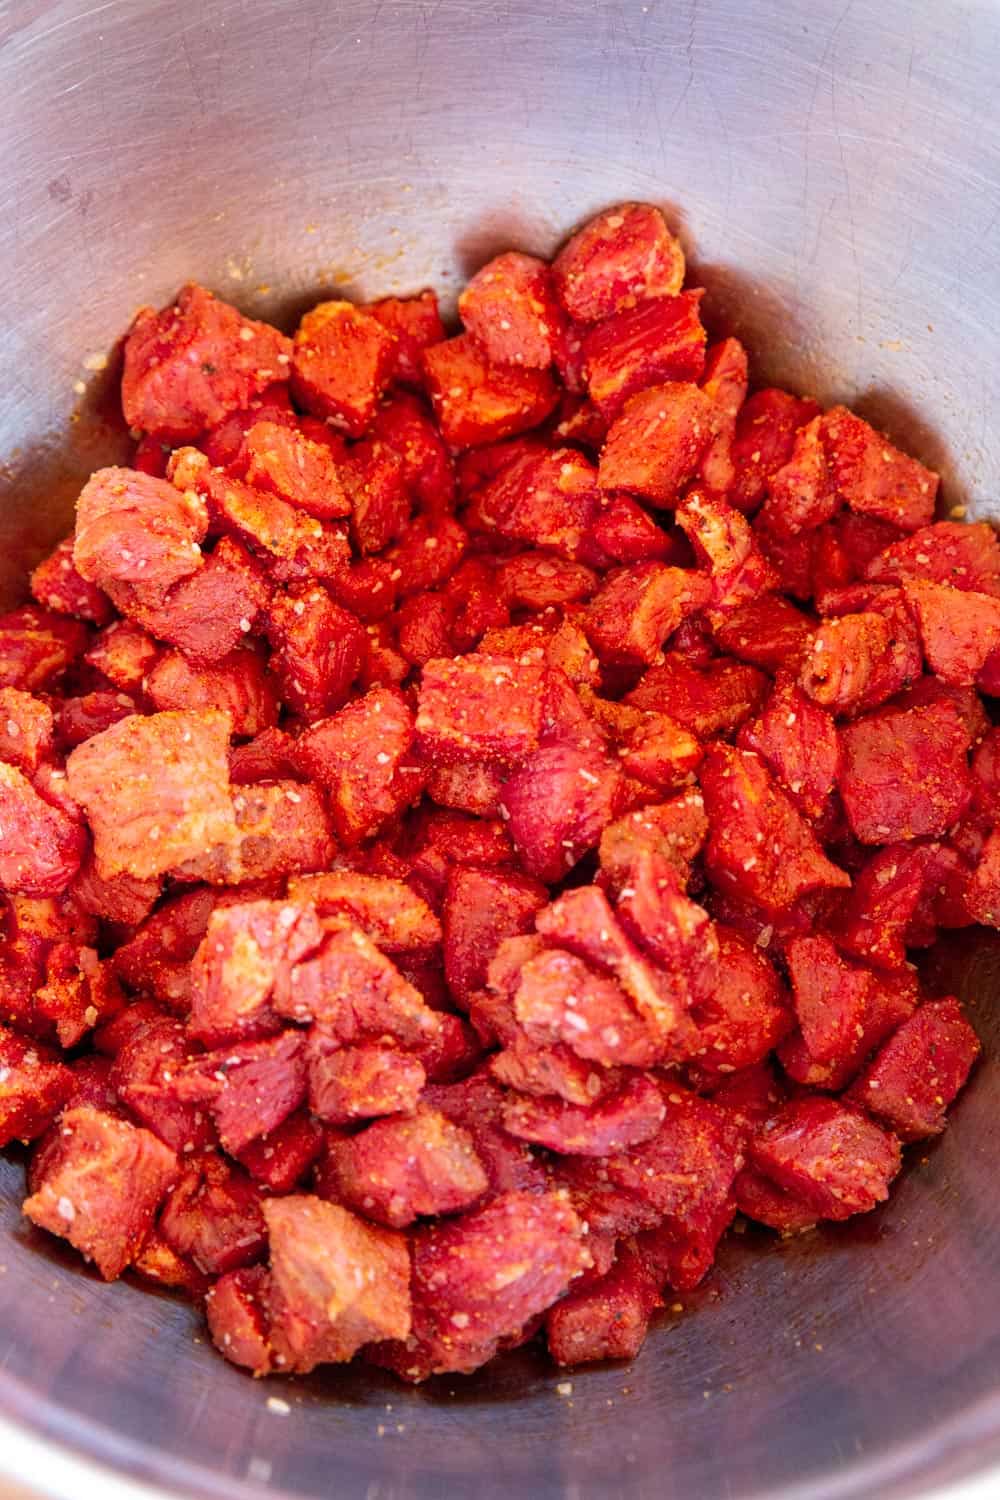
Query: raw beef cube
{"points": [[831, 997], [656, 444], [343, 360], [801, 495], [557, 806], [745, 1015], [677, 829], [903, 774], [510, 308], [832, 1158], [244, 963], [41, 846], [546, 499], [487, 707], [395, 918], [238, 685], [238, 1321], [34, 1086], [724, 542], [155, 791], [427, 554], [352, 991], [36, 647], [145, 1066], [98, 1182], [798, 741], [763, 442], [192, 363], [658, 341], [319, 649], [405, 424], [400, 1169], [637, 608], [622, 256], [287, 463], [624, 1118], [875, 478], [136, 537], [960, 629], [415, 324], [917, 1074], [213, 1217], [250, 1088], [708, 701], [280, 1159], [56, 585], [676, 932], [561, 999], [760, 848], [623, 532], [763, 1201], [361, 1083], [215, 609], [336, 1283], [124, 653], [360, 757], [965, 554], [768, 630], [375, 481], [887, 890], [476, 402], [608, 1319]]}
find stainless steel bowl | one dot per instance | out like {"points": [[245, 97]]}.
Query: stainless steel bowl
{"points": [[835, 172]]}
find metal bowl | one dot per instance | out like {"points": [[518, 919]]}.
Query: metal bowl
{"points": [[835, 172]]}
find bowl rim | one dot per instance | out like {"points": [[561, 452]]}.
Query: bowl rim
{"points": [[57, 1455]]}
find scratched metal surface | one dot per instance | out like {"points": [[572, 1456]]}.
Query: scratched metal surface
{"points": [[835, 171]]}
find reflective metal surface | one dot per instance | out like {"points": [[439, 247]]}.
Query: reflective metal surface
{"points": [[835, 171]]}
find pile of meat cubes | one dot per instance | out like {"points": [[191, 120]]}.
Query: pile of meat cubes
{"points": [[468, 808]]}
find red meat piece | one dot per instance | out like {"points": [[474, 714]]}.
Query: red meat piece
{"points": [[359, 757], [244, 965], [965, 554], [725, 378], [582, 922], [903, 774], [677, 829], [960, 629], [34, 1086], [875, 478], [98, 1182], [766, 1203], [481, 909], [798, 741], [405, 424], [353, 991], [155, 791], [236, 1311], [476, 402], [342, 362], [280, 1160], [481, 1280], [367, 588], [192, 363], [250, 1088], [983, 894], [658, 341], [81, 718], [538, 581], [887, 891], [637, 608], [401, 1169], [831, 1158], [26, 726], [292, 545], [158, 1263], [660, 754], [561, 999], [124, 653], [547, 499], [41, 847], [481, 706], [210, 612], [623, 532], [724, 542], [238, 685], [336, 1283], [768, 631], [656, 444], [627, 1117], [760, 849], [415, 324], [618, 258], [919, 1072], [680, 1179], [78, 992], [427, 554], [802, 494], [708, 701], [424, 628], [509, 306], [608, 1319], [395, 918], [676, 932], [763, 442], [285, 462], [36, 647], [831, 998], [375, 480], [845, 657], [476, 1104], [745, 1015], [319, 649], [266, 757], [146, 1064], [557, 806], [282, 829], [136, 536], [213, 1217], [56, 585], [222, 444], [361, 1083]]}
